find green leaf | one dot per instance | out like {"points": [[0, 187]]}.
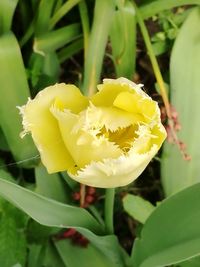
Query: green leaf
{"points": [[52, 213], [6, 175], [35, 255], [39, 234], [153, 7], [12, 237], [195, 262], [47, 211], [62, 11], [97, 43], [15, 92], [52, 258], [50, 185], [43, 16], [185, 97], [3, 142], [70, 50], [171, 234], [51, 41], [137, 207], [123, 40], [7, 9], [87, 256]]}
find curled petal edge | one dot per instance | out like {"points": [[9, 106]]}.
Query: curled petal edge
{"points": [[118, 172]]}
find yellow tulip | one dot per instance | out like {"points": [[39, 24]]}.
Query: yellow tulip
{"points": [[106, 140]]}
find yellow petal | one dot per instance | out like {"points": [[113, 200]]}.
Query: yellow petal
{"points": [[84, 145], [109, 90], [136, 103], [38, 120], [117, 172]]}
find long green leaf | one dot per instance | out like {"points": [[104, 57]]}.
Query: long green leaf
{"points": [[70, 50], [137, 207], [185, 97], [53, 40], [194, 262], [12, 236], [171, 233], [43, 16], [123, 40], [62, 11], [88, 257], [14, 92], [103, 15], [53, 213], [52, 258], [153, 7], [50, 185], [47, 211], [7, 9]]}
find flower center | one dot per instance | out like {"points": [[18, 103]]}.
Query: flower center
{"points": [[122, 137]]}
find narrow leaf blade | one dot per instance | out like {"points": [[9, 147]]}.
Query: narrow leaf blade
{"points": [[15, 92]]}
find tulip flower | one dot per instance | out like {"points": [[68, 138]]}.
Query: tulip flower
{"points": [[105, 140]]}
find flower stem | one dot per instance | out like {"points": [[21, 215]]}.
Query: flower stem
{"points": [[154, 61], [109, 207]]}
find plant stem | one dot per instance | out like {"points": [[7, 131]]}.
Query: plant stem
{"points": [[109, 207], [154, 61]]}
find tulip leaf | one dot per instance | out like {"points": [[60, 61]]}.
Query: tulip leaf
{"points": [[151, 8], [52, 258], [56, 39], [185, 97], [97, 43], [68, 51], [7, 9], [123, 40], [47, 211], [52, 213], [194, 262], [14, 89], [88, 256], [137, 207], [171, 234], [62, 11], [50, 185], [12, 236]]}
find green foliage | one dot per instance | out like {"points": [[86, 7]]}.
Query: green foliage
{"points": [[184, 75], [88, 257], [137, 207], [14, 83], [171, 234], [80, 41], [12, 236], [123, 40], [7, 9], [56, 214], [97, 43]]}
